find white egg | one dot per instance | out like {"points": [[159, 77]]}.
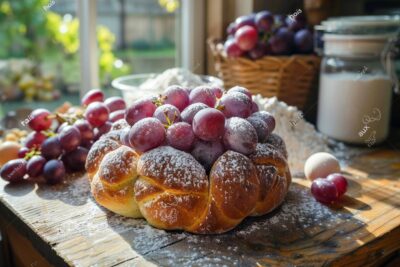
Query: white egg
{"points": [[320, 165]]}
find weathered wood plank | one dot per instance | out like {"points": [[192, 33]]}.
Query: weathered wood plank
{"points": [[361, 231]]}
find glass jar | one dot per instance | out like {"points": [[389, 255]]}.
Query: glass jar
{"points": [[356, 79]]}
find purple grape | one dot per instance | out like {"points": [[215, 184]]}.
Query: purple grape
{"points": [[75, 160], [140, 109], [35, 166], [264, 21], [236, 104], [258, 51], [207, 152], [303, 40], [188, 113], [282, 42], [208, 124], [203, 94], [247, 20], [240, 136], [324, 191], [254, 107], [51, 148], [280, 20], [176, 96], [232, 49], [97, 114], [147, 134], [261, 128], [115, 103], [34, 139], [70, 138], [61, 126], [85, 129], [22, 152], [54, 171], [240, 89], [14, 170], [267, 118], [296, 23], [180, 136], [167, 114], [124, 137]]}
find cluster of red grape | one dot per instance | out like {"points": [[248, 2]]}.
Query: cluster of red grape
{"points": [[204, 121], [329, 190], [263, 33], [60, 142]]}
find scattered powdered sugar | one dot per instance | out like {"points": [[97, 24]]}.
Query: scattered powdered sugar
{"points": [[301, 138]]}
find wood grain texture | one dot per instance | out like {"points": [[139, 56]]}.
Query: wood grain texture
{"points": [[364, 229]]}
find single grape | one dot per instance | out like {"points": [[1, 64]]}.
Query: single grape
{"points": [[85, 129], [339, 181], [246, 20], [51, 148], [140, 109], [34, 139], [14, 170], [324, 191], [94, 95], [261, 128], [267, 118], [167, 114], [75, 160], [208, 124], [124, 137], [35, 166], [240, 89], [115, 103], [246, 37], [96, 114], [303, 41], [147, 134], [54, 171], [254, 107], [22, 152], [70, 138], [203, 94], [117, 115], [240, 136], [282, 42], [207, 152], [180, 136], [40, 120], [264, 21], [176, 96], [236, 104], [218, 91], [189, 112], [232, 49]]}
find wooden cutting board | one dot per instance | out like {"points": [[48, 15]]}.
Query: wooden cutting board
{"points": [[69, 228]]}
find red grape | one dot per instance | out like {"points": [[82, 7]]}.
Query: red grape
{"points": [[75, 160], [115, 103], [180, 136], [147, 134], [96, 114], [117, 115], [34, 139], [176, 96], [254, 107], [324, 191], [339, 181], [14, 170], [189, 112], [267, 118], [85, 129], [246, 20], [103, 129], [54, 171], [70, 138], [240, 89], [167, 114], [264, 21], [232, 49], [282, 42], [39, 120], [303, 40], [236, 104], [246, 37], [124, 137], [218, 91], [203, 94], [94, 95], [208, 124], [240, 136], [35, 166], [51, 148], [61, 126], [140, 109], [207, 152], [22, 152]]}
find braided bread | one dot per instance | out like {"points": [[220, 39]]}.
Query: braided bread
{"points": [[171, 189]]}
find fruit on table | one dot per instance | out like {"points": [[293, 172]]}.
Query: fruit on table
{"points": [[320, 165], [324, 191], [14, 170], [340, 182], [8, 151]]}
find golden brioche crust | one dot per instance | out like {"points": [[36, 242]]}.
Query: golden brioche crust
{"points": [[171, 189]]}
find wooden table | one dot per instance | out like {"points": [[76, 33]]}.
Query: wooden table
{"points": [[68, 228]]}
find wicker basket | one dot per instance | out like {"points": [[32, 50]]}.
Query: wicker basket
{"points": [[290, 78]]}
